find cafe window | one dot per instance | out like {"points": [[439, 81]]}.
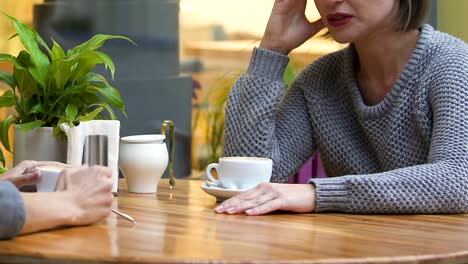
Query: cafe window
{"points": [[189, 54]]}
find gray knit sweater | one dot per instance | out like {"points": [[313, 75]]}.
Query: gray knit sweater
{"points": [[407, 154], [12, 210]]}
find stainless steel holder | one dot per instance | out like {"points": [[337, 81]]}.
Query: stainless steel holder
{"points": [[95, 150]]}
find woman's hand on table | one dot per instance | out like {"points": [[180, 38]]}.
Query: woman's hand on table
{"points": [[269, 197], [288, 26], [89, 192], [26, 173]]}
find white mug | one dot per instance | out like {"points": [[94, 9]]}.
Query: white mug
{"points": [[49, 176], [240, 173]]}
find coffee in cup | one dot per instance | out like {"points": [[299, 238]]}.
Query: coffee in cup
{"points": [[49, 176], [240, 173]]}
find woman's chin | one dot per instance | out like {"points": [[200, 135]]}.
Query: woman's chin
{"points": [[341, 38]]}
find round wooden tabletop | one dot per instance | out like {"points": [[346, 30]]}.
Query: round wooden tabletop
{"points": [[179, 226]]}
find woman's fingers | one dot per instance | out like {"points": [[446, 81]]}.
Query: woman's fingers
{"points": [[287, 6], [288, 26], [30, 178], [262, 194], [270, 206]]}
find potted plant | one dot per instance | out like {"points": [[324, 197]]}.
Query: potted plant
{"points": [[50, 86]]}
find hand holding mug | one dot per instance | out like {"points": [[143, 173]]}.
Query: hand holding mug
{"points": [[26, 173], [89, 190]]}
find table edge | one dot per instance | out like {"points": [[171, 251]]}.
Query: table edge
{"points": [[455, 257]]}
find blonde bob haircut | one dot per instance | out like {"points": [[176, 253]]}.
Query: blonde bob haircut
{"points": [[412, 14]]}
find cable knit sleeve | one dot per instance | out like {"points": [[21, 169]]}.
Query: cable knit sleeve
{"points": [[257, 123], [12, 211]]}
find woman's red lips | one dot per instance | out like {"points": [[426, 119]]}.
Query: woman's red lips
{"points": [[338, 19]]}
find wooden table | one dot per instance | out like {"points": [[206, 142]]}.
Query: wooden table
{"points": [[179, 226]]}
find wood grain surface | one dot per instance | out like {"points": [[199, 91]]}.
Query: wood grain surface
{"points": [[179, 226]]}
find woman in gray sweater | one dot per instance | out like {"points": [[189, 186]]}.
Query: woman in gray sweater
{"points": [[389, 113], [84, 197]]}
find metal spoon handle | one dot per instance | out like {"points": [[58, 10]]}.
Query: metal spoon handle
{"points": [[126, 216]]}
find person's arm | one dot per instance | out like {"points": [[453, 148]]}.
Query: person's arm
{"points": [[12, 211], [260, 124], [259, 121], [47, 210], [84, 196]]}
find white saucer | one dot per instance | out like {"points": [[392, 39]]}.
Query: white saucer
{"points": [[221, 194]]}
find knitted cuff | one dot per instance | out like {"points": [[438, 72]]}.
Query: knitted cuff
{"points": [[331, 194], [268, 64], [13, 214]]}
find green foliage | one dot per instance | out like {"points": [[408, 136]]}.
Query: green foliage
{"points": [[53, 87]]}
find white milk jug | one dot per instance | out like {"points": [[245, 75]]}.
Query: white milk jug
{"points": [[144, 158]]}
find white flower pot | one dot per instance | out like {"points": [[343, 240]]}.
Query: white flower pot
{"points": [[38, 144]]}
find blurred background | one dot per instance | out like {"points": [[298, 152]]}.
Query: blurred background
{"points": [[188, 56]]}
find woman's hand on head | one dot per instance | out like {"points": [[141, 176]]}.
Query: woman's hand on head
{"points": [[269, 197], [89, 191], [26, 173], [288, 26]]}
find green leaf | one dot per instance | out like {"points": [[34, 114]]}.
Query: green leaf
{"points": [[57, 51], [24, 106], [93, 77], [109, 110], [8, 58], [38, 108], [25, 83], [30, 125], [2, 160], [30, 39], [24, 60], [111, 95], [91, 98], [96, 42], [7, 78], [42, 43], [61, 73], [71, 112], [90, 116], [75, 89], [7, 99], [107, 61], [86, 62], [4, 127]]}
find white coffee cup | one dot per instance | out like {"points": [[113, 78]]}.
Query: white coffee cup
{"points": [[240, 173], [49, 176]]}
